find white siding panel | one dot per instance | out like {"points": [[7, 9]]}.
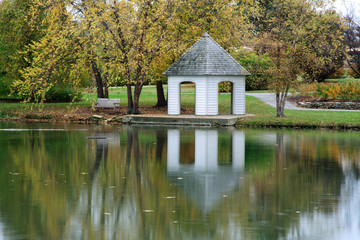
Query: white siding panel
{"points": [[238, 97], [201, 97], [173, 96], [213, 97]]}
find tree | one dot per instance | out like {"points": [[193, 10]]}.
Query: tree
{"points": [[352, 42], [18, 28], [322, 52], [294, 38], [133, 32], [55, 57]]}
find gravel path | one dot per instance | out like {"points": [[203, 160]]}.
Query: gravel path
{"points": [[270, 99]]}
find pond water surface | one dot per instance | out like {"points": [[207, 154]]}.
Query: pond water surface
{"points": [[142, 182]]}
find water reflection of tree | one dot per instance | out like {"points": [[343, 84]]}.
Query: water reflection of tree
{"points": [[297, 181], [114, 192]]}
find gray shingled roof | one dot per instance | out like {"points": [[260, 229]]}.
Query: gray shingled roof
{"points": [[206, 57]]}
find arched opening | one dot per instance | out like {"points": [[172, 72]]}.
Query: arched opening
{"points": [[225, 89], [187, 97]]}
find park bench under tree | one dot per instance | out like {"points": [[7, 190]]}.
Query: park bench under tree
{"points": [[106, 103]]}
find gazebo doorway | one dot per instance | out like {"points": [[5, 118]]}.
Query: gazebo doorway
{"points": [[225, 105], [187, 97]]}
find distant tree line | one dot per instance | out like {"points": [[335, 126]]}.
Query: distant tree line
{"points": [[51, 44]]}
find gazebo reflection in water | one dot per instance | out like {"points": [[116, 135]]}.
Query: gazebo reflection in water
{"points": [[210, 177]]}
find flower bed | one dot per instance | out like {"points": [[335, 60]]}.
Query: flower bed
{"points": [[344, 95], [346, 90]]}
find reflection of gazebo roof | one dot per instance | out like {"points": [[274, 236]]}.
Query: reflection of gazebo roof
{"points": [[206, 57], [205, 188]]}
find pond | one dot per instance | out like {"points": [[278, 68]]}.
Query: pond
{"points": [[143, 182]]}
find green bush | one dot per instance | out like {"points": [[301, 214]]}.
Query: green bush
{"points": [[257, 65], [4, 86], [61, 95]]}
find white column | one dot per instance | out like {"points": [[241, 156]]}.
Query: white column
{"points": [[238, 150], [212, 96], [173, 96], [173, 150], [238, 98], [201, 96]]}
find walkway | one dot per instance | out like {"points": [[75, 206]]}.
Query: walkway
{"points": [[270, 99]]}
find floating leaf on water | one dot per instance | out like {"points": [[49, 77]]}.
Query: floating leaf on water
{"points": [[170, 197], [148, 210]]}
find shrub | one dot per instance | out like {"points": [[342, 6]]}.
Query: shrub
{"points": [[330, 90], [343, 90], [4, 86], [257, 65], [61, 95], [307, 89]]}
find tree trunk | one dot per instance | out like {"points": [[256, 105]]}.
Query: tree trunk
{"points": [[137, 91], [98, 80], [279, 105], [130, 99], [280, 102], [161, 101], [106, 88]]}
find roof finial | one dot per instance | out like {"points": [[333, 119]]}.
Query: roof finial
{"points": [[206, 35]]}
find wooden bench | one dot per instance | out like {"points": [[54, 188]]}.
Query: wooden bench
{"points": [[107, 103]]}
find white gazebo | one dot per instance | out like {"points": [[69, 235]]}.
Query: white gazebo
{"points": [[206, 64]]}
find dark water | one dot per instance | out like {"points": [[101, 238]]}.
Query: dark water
{"points": [[94, 182]]}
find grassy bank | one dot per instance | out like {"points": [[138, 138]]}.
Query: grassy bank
{"points": [[264, 114]]}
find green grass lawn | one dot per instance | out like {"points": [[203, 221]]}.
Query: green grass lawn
{"points": [[265, 116]]}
